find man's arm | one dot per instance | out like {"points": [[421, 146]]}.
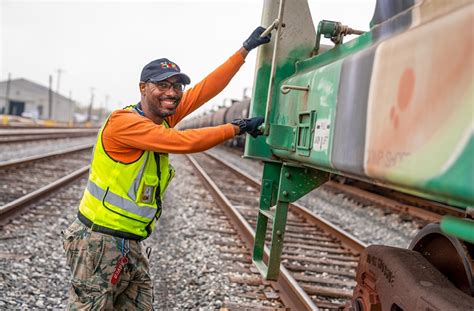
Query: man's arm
{"points": [[127, 134]]}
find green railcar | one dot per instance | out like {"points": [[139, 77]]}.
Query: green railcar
{"points": [[394, 107]]}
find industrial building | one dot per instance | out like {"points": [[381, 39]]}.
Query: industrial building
{"points": [[22, 97]]}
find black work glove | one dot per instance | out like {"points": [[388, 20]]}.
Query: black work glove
{"points": [[249, 125], [255, 40]]}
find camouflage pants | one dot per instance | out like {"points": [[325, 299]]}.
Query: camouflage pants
{"points": [[92, 258]]}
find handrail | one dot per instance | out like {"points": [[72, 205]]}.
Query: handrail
{"points": [[273, 69]]}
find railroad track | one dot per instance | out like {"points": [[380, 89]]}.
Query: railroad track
{"points": [[318, 260], [24, 135], [410, 207], [30, 179]]}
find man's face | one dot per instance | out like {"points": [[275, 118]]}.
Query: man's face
{"points": [[163, 97]]}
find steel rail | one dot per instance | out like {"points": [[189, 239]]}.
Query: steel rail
{"points": [[292, 295], [24, 139], [347, 240], [21, 132], [433, 206], [16, 162], [387, 202], [15, 205]]}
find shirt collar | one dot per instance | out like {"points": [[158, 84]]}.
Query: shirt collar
{"points": [[138, 108]]}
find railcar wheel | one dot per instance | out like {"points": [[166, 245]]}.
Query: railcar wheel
{"points": [[452, 257], [358, 304]]}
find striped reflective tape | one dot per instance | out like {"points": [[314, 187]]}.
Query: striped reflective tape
{"points": [[136, 182], [116, 200]]}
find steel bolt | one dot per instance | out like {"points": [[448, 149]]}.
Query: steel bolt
{"points": [[287, 175], [278, 232], [285, 193]]}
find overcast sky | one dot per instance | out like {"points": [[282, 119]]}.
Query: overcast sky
{"points": [[105, 44]]}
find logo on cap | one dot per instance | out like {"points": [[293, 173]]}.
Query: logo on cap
{"points": [[168, 65]]}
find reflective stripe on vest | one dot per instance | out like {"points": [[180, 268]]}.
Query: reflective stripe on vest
{"points": [[136, 182], [114, 199]]}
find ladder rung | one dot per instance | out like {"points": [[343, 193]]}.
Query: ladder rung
{"points": [[261, 266], [270, 214]]}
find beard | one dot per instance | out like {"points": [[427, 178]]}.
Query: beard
{"points": [[163, 112]]}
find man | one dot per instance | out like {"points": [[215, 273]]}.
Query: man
{"points": [[129, 175]]}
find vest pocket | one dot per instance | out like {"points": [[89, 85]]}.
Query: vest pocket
{"points": [[147, 189]]}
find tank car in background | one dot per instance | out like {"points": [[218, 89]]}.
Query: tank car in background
{"points": [[392, 107]]}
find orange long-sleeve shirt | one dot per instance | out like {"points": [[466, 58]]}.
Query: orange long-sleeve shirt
{"points": [[127, 133]]}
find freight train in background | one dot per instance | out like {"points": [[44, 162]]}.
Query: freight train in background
{"points": [[393, 107]]}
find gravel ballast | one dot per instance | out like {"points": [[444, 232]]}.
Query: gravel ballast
{"points": [[185, 263]]}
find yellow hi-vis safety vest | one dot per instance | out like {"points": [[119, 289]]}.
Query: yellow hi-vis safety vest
{"points": [[124, 199]]}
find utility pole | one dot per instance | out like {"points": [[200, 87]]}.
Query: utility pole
{"points": [[70, 109], [59, 71], [7, 95], [89, 112], [50, 97]]}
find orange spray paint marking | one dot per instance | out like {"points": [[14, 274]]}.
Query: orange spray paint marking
{"points": [[406, 86]]}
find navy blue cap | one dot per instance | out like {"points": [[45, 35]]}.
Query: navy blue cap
{"points": [[161, 69]]}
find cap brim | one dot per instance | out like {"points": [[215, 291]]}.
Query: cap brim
{"points": [[184, 78]]}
